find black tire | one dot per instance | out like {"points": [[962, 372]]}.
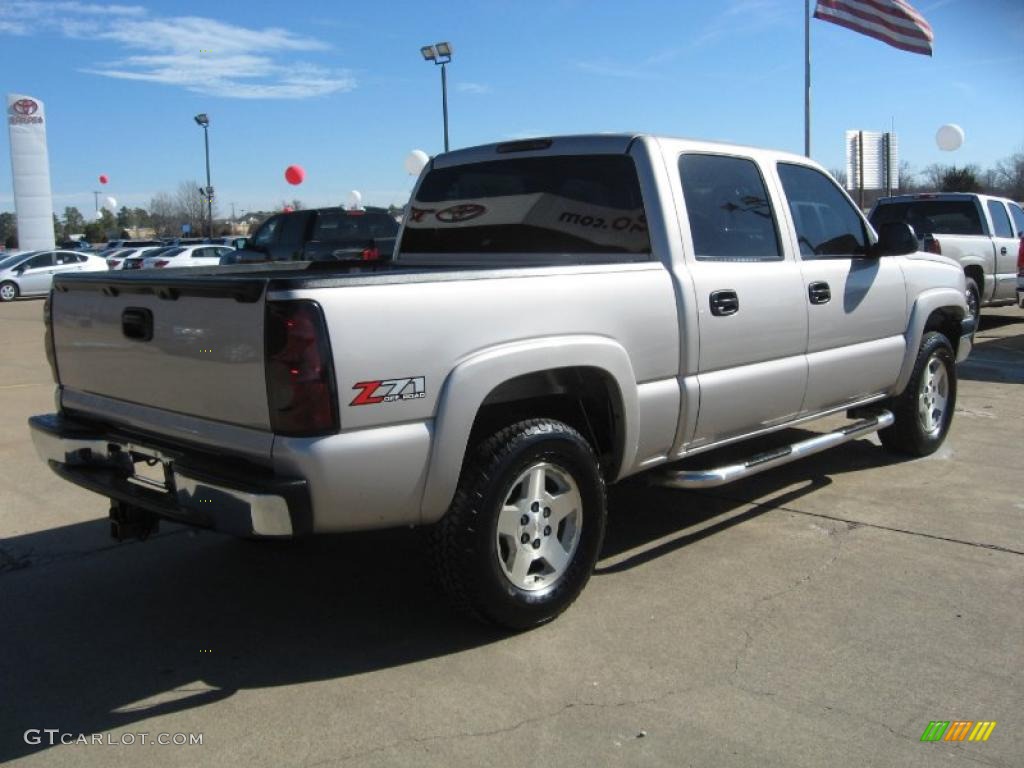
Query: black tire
{"points": [[10, 289], [973, 295], [468, 553], [910, 433]]}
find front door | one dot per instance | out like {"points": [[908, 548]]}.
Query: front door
{"points": [[752, 321], [856, 305]]}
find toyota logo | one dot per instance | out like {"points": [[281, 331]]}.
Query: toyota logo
{"points": [[25, 107], [458, 213]]}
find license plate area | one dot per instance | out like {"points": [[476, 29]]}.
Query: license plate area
{"points": [[149, 471]]}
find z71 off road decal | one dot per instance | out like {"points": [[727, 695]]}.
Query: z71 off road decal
{"points": [[390, 390]]}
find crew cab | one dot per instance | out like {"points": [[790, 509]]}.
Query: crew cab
{"points": [[561, 314], [981, 232]]}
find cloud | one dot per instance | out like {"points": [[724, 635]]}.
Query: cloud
{"points": [[608, 68], [478, 88], [201, 55]]}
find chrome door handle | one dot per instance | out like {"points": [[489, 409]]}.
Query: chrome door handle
{"points": [[724, 303], [819, 293]]}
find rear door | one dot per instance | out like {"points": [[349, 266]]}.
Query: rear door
{"points": [[1006, 247], [752, 319], [856, 305]]}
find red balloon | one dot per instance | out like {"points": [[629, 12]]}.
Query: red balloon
{"points": [[104, 178], [294, 174], [287, 209]]}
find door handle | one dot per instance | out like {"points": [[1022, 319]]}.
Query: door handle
{"points": [[724, 303], [819, 293], [1002, 251]]}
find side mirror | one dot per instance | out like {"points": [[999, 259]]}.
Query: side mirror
{"points": [[896, 238], [20, 269]]}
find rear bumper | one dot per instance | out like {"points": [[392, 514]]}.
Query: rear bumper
{"points": [[199, 489], [967, 328]]}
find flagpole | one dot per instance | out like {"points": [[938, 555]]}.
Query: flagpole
{"points": [[807, 77]]}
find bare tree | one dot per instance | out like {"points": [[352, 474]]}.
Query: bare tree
{"points": [[907, 179], [190, 205], [839, 174], [933, 175], [163, 215], [1010, 175]]}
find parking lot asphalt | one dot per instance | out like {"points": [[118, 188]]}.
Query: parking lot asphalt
{"points": [[820, 614]]}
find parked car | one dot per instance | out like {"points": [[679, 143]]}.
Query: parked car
{"points": [[133, 243], [322, 234], [233, 241], [981, 232], [31, 273], [119, 258], [561, 314], [186, 240], [187, 256]]}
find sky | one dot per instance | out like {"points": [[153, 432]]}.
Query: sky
{"points": [[341, 88]]}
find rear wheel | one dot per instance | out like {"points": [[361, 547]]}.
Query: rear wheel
{"points": [[8, 291], [525, 528], [924, 410]]}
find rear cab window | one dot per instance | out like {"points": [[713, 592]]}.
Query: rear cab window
{"points": [[932, 217], [334, 226], [571, 208]]}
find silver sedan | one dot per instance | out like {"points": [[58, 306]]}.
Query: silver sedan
{"points": [[31, 273]]}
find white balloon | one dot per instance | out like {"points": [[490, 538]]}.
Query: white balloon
{"points": [[355, 199], [949, 137], [111, 203], [416, 162], [99, 215]]}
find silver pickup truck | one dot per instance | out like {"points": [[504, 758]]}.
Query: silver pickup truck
{"points": [[561, 313], [984, 234]]}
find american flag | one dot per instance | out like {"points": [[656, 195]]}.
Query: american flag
{"points": [[892, 21]]}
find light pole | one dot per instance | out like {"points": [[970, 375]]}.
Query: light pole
{"points": [[204, 121], [441, 53]]}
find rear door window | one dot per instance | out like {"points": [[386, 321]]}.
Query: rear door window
{"points": [[827, 224], [293, 230], [1000, 221], [568, 205], [333, 226], [730, 216]]}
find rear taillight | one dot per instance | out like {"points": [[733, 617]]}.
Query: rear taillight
{"points": [[300, 373], [931, 245], [112, 263], [51, 349], [370, 254], [160, 263], [1020, 257]]}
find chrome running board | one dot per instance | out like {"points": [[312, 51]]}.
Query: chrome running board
{"points": [[709, 478]]}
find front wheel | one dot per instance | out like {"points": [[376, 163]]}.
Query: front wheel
{"points": [[523, 533], [8, 291], [924, 410]]}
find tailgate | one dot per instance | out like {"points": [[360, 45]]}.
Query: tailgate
{"points": [[192, 345]]}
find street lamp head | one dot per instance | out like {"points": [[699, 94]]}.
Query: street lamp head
{"points": [[428, 52], [444, 49], [202, 119]]}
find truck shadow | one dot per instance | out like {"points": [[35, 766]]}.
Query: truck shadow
{"points": [[995, 359], [98, 641], [647, 522]]}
